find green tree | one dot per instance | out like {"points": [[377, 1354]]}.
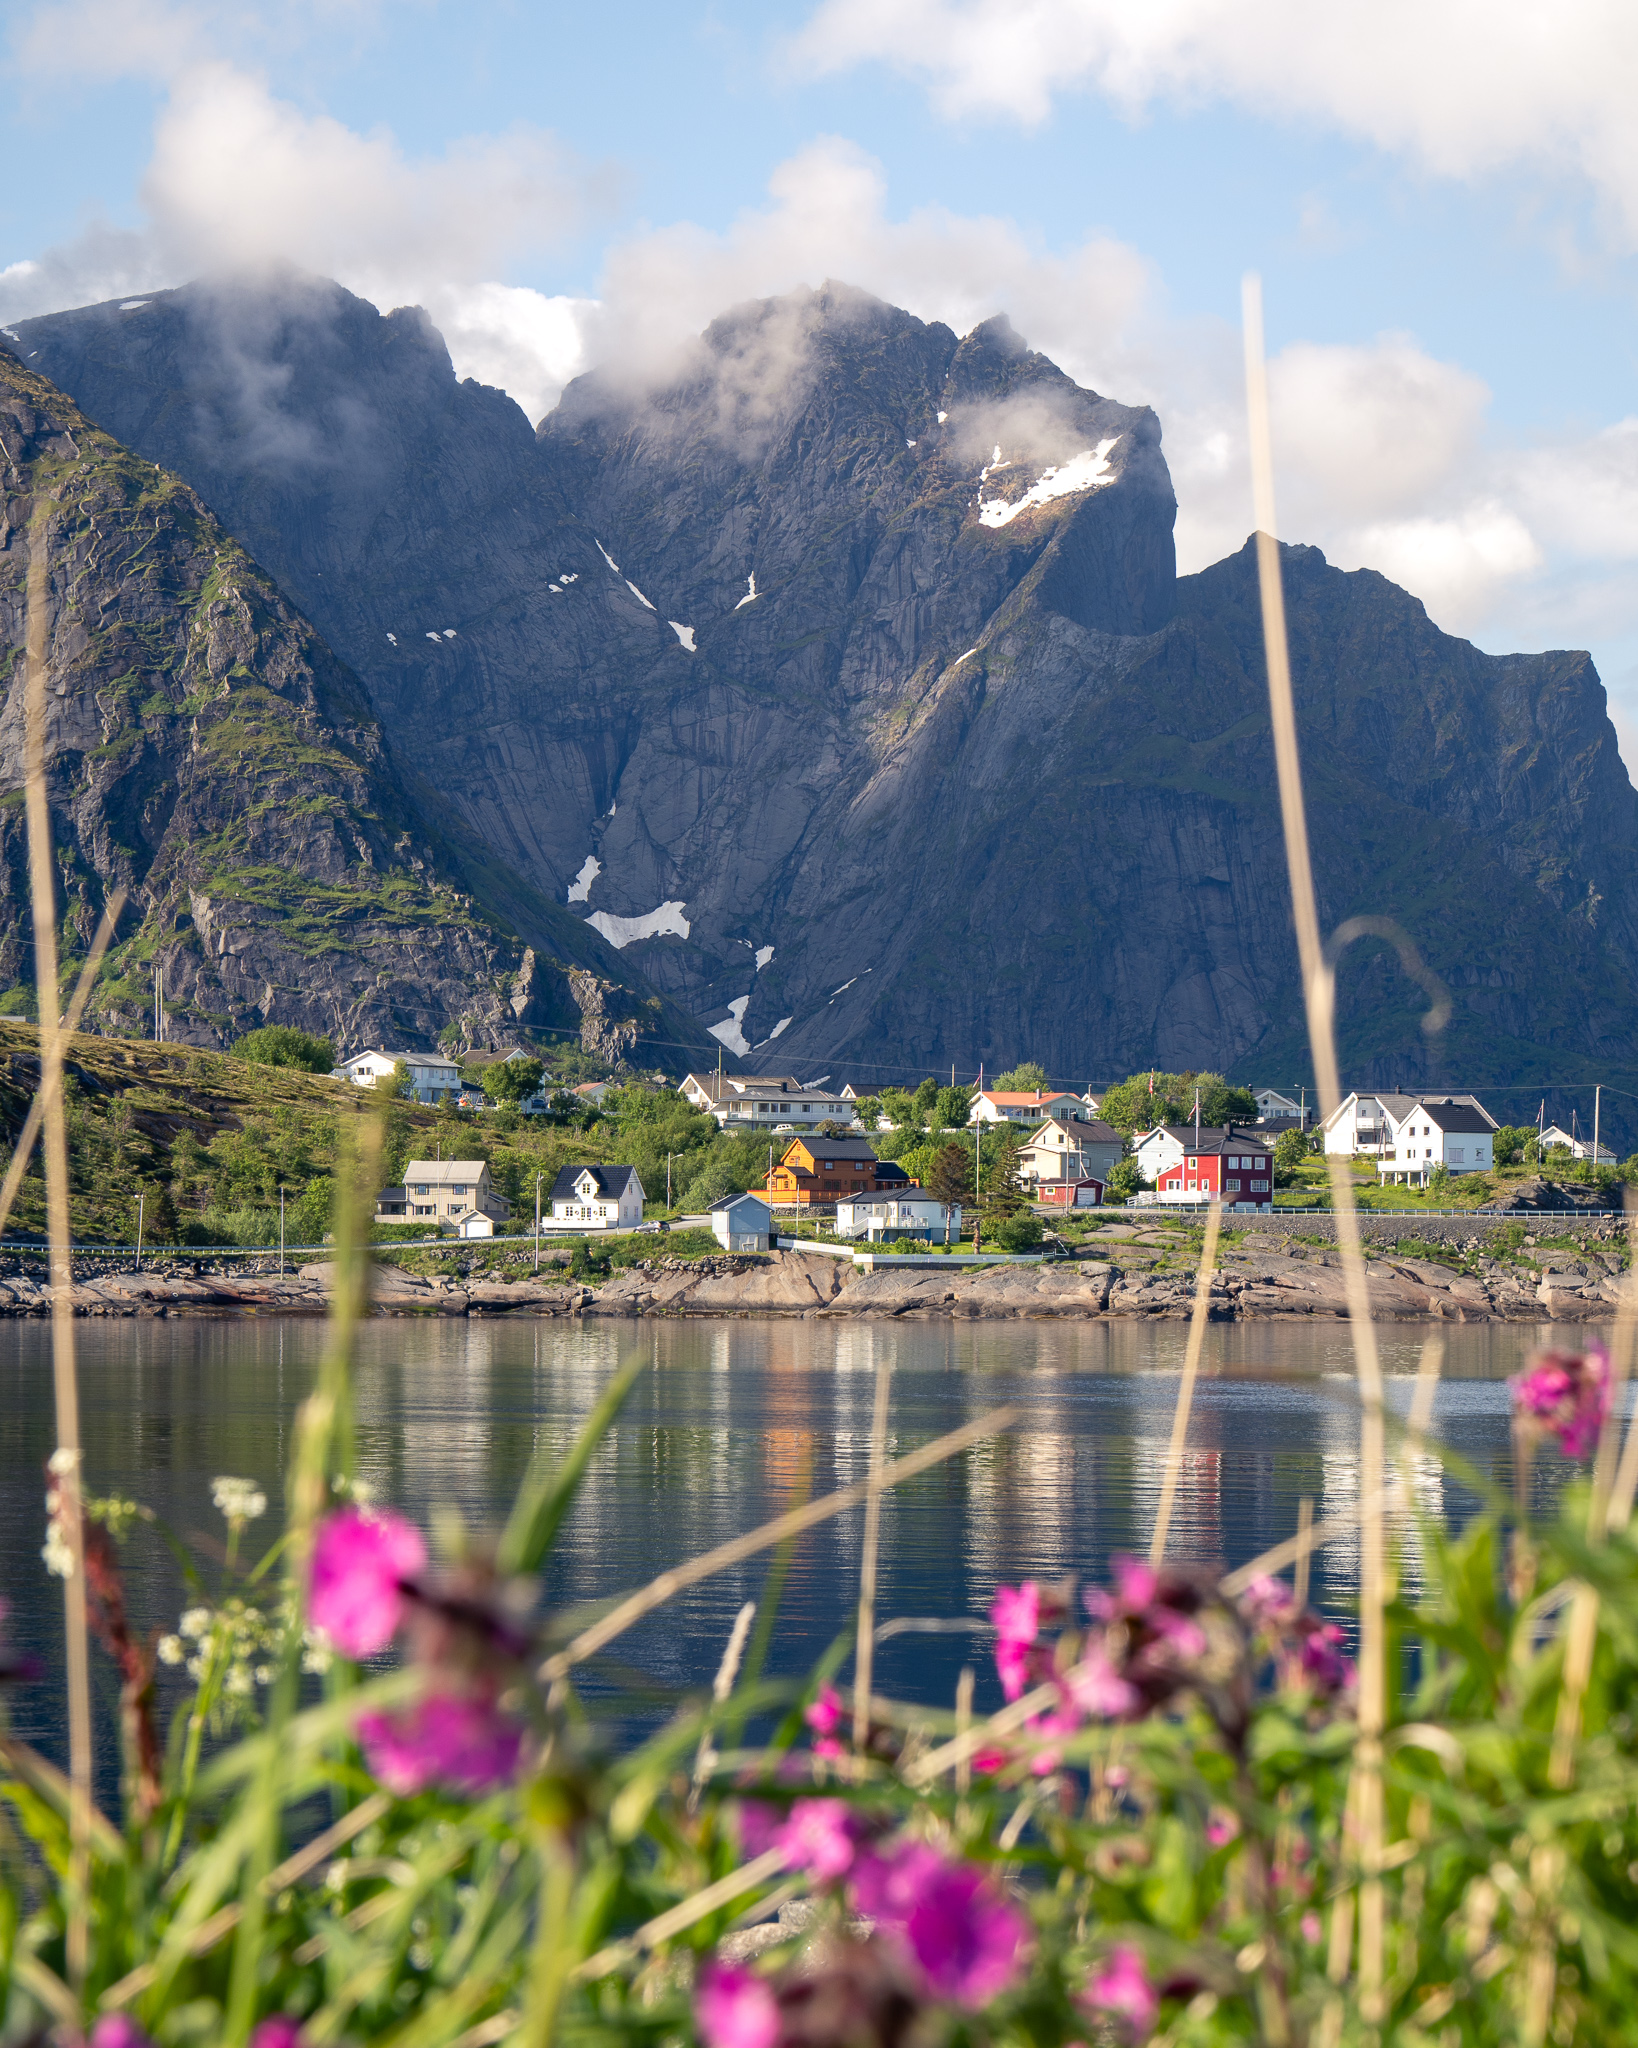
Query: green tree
{"points": [[1022, 1079], [1004, 1191], [953, 1109], [511, 1081], [868, 1109], [1124, 1180], [925, 1100], [950, 1180], [1290, 1150], [1508, 1145], [900, 1108], [281, 1045], [1220, 1104], [396, 1085]]}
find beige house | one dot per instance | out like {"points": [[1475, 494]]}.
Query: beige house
{"points": [[1068, 1148], [442, 1191]]}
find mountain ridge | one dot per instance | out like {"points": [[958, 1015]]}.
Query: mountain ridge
{"points": [[967, 755]]}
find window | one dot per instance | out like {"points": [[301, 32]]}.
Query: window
{"points": [[422, 1189], [459, 1190], [1259, 1187]]}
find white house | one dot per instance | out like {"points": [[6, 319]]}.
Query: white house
{"points": [[1273, 1107], [1455, 1134], [742, 1223], [1363, 1125], [598, 1197], [432, 1078], [1555, 1135], [1159, 1147], [474, 1224], [903, 1212], [742, 1102], [1070, 1148], [1023, 1106], [442, 1191]]}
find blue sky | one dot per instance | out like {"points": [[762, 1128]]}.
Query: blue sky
{"points": [[1442, 200]]}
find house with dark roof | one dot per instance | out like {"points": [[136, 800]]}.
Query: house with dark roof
{"points": [[1452, 1132], [1228, 1166], [817, 1169], [1367, 1124], [598, 1198], [749, 1102]]}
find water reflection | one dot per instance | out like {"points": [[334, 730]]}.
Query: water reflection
{"points": [[738, 1420]]}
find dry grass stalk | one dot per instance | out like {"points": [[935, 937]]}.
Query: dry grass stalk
{"points": [[1305, 1552], [705, 1757], [71, 1023], [1185, 1386], [1310, 1536], [964, 1721], [1319, 992], [864, 1655], [666, 1587], [676, 1918], [65, 1376]]}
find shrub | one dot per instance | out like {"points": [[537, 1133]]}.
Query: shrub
{"points": [[281, 1045], [1019, 1233]]}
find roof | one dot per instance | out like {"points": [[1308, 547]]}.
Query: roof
{"points": [[419, 1059], [1231, 1139], [1027, 1098], [1086, 1130], [733, 1201], [612, 1181], [834, 1148], [443, 1171], [1399, 1105], [735, 1087], [1458, 1116]]}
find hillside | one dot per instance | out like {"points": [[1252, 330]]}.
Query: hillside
{"points": [[847, 684], [209, 754]]}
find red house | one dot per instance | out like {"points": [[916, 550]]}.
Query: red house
{"points": [[1226, 1166]]}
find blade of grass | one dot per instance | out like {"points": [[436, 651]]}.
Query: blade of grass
{"points": [[548, 1492], [24, 1151], [681, 1917], [1319, 993], [1185, 1386], [65, 1376], [659, 1590]]}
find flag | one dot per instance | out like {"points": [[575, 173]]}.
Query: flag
{"points": [[1151, 1080]]}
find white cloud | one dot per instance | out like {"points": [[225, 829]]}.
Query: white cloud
{"points": [[1462, 87], [240, 179]]}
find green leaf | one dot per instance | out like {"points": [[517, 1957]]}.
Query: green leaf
{"points": [[548, 1491]]}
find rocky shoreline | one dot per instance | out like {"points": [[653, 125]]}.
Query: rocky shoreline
{"points": [[1133, 1280]]}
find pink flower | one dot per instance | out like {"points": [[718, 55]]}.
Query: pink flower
{"points": [[824, 1717], [1267, 1601], [118, 2030], [1135, 1588], [281, 2031], [1310, 1925], [1122, 1990], [734, 2009], [1221, 1828], [969, 1943], [821, 1837], [1016, 1612], [1012, 1662], [448, 1738], [1567, 1395], [759, 1827], [1098, 1689], [1323, 1661], [360, 1564]]}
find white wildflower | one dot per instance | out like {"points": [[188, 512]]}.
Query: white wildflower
{"points": [[195, 1622], [63, 1461], [57, 1552], [195, 1668], [239, 1500], [264, 1674], [171, 1650], [239, 1682]]}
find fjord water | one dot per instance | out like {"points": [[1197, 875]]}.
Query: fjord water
{"points": [[735, 1421]]}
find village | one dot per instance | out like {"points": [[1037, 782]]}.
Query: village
{"points": [[992, 1172]]}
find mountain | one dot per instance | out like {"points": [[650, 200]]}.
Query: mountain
{"points": [[844, 681], [209, 754]]}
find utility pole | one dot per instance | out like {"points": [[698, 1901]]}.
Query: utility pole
{"points": [[140, 1199], [668, 1158], [1597, 1092], [539, 1177], [281, 1229]]}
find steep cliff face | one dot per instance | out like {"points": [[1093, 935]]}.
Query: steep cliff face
{"points": [[210, 755], [845, 684]]}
